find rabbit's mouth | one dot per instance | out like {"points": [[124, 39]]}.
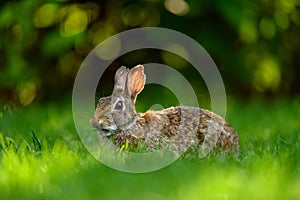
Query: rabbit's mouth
{"points": [[106, 131], [109, 129]]}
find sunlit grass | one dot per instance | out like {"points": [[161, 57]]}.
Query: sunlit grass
{"points": [[41, 157]]}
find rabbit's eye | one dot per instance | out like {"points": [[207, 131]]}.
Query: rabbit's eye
{"points": [[119, 105]]}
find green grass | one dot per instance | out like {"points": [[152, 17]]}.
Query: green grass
{"points": [[41, 157]]}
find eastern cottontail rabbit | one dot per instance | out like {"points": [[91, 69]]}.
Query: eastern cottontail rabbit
{"points": [[177, 127]]}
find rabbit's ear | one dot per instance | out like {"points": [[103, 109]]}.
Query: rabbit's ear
{"points": [[135, 81], [120, 79]]}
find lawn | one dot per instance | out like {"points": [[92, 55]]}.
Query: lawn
{"points": [[41, 157]]}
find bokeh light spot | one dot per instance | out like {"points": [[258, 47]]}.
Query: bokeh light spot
{"points": [[109, 49], [267, 76], [267, 28], [99, 32], [75, 23], [281, 20], [248, 31], [133, 15], [285, 5], [172, 59], [45, 15], [177, 7], [27, 93]]}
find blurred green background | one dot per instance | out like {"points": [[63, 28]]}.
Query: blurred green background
{"points": [[255, 44]]}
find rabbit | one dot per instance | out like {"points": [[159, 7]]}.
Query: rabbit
{"points": [[177, 128]]}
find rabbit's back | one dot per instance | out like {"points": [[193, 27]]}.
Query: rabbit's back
{"points": [[179, 128], [197, 128]]}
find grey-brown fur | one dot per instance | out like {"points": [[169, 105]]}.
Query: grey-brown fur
{"points": [[177, 128]]}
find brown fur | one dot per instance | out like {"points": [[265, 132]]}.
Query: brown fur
{"points": [[177, 128], [191, 136]]}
